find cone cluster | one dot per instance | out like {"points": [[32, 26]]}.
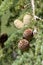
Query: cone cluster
{"points": [[24, 43]]}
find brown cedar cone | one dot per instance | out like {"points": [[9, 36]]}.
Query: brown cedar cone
{"points": [[3, 38], [28, 34], [23, 45]]}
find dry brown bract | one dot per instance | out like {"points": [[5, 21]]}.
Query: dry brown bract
{"points": [[23, 45], [28, 34], [3, 38]]}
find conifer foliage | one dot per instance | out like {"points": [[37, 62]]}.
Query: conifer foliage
{"points": [[11, 10]]}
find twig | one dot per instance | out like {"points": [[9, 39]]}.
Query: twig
{"points": [[33, 8], [37, 18], [26, 5]]}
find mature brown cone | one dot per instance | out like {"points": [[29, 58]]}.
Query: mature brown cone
{"points": [[28, 34], [3, 38], [23, 45]]}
